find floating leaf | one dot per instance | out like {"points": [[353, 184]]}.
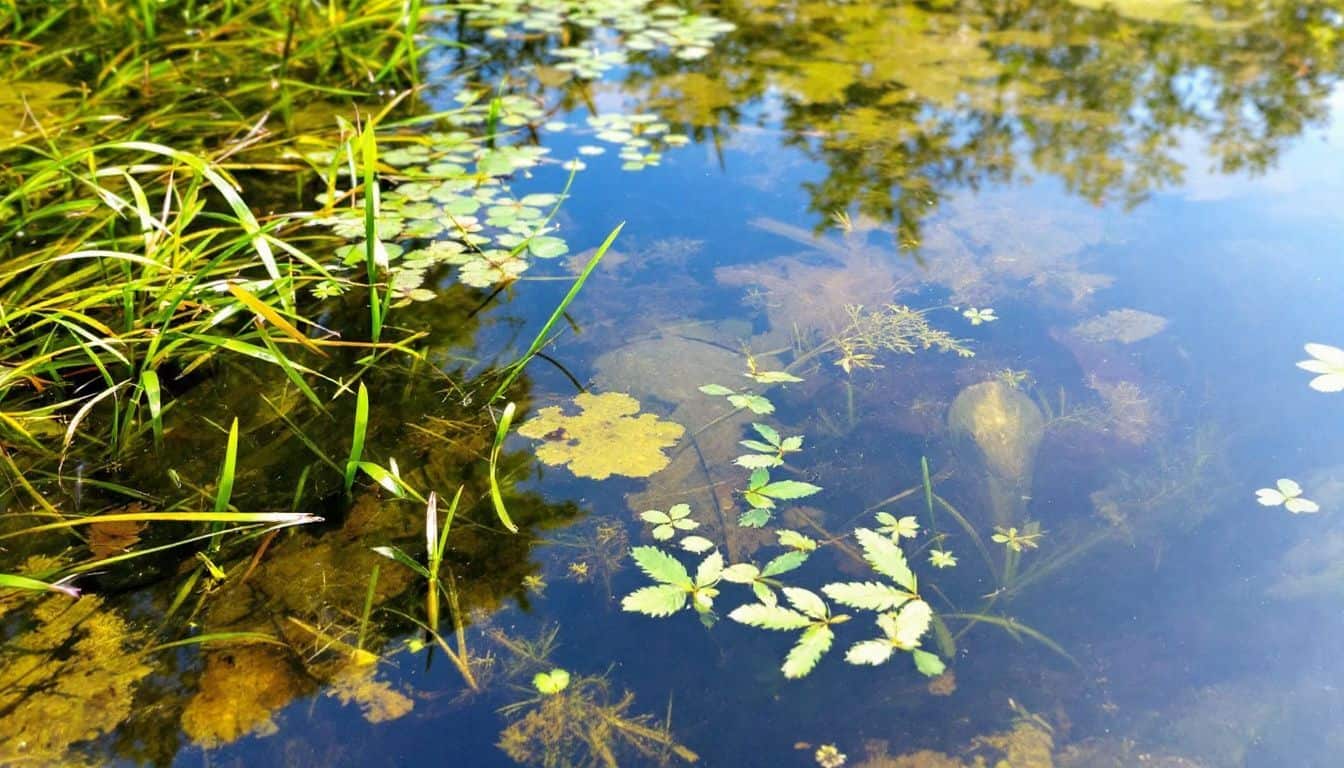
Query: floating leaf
{"points": [[656, 601], [867, 595], [927, 663], [911, 624], [606, 438], [696, 544], [872, 652], [769, 617], [804, 655], [662, 567], [711, 568], [886, 557], [784, 563], [551, 683], [741, 573], [807, 601], [796, 540]]}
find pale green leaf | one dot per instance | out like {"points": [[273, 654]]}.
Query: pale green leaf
{"points": [[550, 683], [754, 403], [696, 544], [757, 445], [767, 432], [872, 652], [716, 389], [662, 567], [928, 663], [757, 461], [788, 489], [769, 617], [679, 511], [740, 573], [911, 623], [804, 655], [774, 377], [796, 540], [764, 593], [664, 532], [758, 478], [886, 557], [657, 601], [655, 517], [868, 595], [806, 601], [709, 571], [791, 444], [784, 563], [685, 524], [759, 514]]}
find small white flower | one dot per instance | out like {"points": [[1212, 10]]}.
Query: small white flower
{"points": [[1329, 362], [978, 316], [1289, 494]]}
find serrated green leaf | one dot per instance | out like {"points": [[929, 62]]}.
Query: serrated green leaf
{"points": [[664, 532], [757, 461], [788, 489], [655, 517], [784, 563], [765, 616], [872, 652], [764, 593], [791, 444], [657, 601], [911, 623], [796, 540], [757, 479], [709, 570], [767, 433], [662, 567], [885, 518], [755, 403], [805, 654], [867, 595], [757, 445], [696, 544], [886, 557], [716, 389], [806, 601], [679, 511], [756, 517], [760, 504], [740, 573], [927, 663]]}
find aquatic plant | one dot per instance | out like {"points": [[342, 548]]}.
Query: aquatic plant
{"points": [[979, 316], [68, 674], [757, 404], [1288, 494], [605, 438], [1328, 363], [770, 453]]}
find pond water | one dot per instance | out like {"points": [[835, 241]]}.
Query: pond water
{"points": [[1039, 275]]}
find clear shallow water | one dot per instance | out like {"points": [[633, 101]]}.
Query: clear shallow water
{"points": [[991, 162]]}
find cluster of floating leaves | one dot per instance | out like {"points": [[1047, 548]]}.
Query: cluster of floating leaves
{"points": [[632, 25], [445, 214]]}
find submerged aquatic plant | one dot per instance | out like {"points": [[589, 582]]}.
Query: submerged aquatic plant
{"points": [[979, 316]]}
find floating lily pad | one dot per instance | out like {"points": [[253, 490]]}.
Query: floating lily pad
{"points": [[605, 438]]}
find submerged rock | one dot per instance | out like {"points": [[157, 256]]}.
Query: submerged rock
{"points": [[1003, 429]]}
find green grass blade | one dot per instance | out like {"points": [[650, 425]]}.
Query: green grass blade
{"points": [[497, 498], [357, 442], [537, 343]]}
